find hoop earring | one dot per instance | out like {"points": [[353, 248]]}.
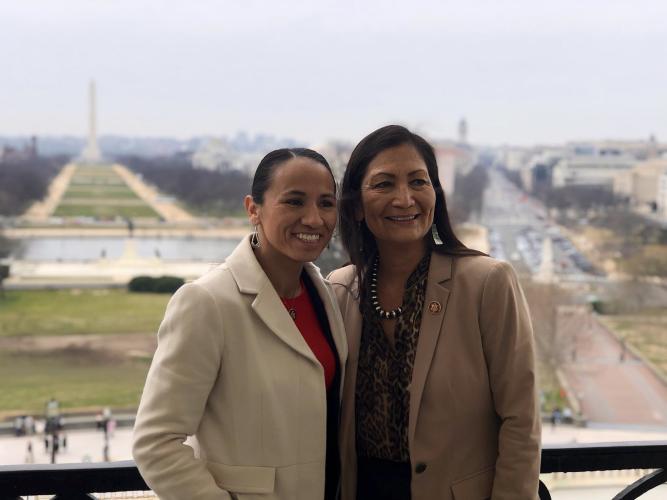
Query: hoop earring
{"points": [[254, 239]]}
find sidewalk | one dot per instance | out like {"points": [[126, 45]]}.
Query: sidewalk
{"points": [[82, 446], [612, 385], [82, 443], [85, 445]]}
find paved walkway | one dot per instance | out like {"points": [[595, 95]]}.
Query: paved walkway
{"points": [[166, 207], [611, 384], [82, 446], [230, 228], [90, 443]]}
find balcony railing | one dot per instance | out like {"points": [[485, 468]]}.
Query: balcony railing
{"points": [[81, 481]]}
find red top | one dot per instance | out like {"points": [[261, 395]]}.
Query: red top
{"points": [[306, 321]]}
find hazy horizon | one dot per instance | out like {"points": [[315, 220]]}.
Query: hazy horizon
{"points": [[520, 73]]}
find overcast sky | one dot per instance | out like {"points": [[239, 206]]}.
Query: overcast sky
{"points": [[521, 71]]}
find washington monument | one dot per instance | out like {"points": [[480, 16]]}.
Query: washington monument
{"points": [[91, 153]]}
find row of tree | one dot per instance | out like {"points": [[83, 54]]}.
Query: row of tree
{"points": [[578, 198], [203, 191], [22, 182], [468, 197], [217, 194]]}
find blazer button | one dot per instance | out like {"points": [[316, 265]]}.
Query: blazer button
{"points": [[420, 467]]}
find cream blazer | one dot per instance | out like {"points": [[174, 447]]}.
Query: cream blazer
{"points": [[474, 427], [232, 369]]}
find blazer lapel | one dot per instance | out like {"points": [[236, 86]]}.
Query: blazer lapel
{"points": [[272, 312], [345, 287], [251, 279], [435, 306], [332, 310]]}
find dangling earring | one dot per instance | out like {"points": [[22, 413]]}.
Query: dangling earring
{"points": [[254, 239]]}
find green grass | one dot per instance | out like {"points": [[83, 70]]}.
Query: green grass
{"points": [[89, 184], [67, 312], [646, 332], [101, 183], [95, 181], [107, 192], [104, 211], [218, 209], [96, 176], [79, 380], [95, 170]]}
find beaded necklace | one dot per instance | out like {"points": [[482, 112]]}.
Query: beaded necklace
{"points": [[375, 303]]}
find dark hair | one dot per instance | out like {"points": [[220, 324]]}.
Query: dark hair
{"points": [[357, 238], [266, 168]]}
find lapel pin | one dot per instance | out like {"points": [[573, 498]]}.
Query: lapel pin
{"points": [[434, 307]]}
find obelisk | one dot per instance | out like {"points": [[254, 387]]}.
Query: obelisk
{"points": [[91, 153]]}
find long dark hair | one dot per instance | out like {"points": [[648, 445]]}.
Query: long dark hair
{"points": [[267, 167], [357, 238]]}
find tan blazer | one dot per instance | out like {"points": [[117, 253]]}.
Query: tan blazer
{"points": [[474, 428], [232, 370]]}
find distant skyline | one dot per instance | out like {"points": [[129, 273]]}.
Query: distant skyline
{"points": [[520, 72]]}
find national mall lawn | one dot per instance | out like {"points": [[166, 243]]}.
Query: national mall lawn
{"points": [[89, 348]]}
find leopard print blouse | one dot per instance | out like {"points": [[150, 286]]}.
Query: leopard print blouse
{"points": [[384, 374]]}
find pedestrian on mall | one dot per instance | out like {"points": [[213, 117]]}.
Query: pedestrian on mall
{"points": [[29, 454]]}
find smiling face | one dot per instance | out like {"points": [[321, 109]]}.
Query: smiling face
{"points": [[397, 198], [298, 214]]}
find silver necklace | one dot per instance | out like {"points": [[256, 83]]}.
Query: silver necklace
{"points": [[290, 303], [394, 313]]}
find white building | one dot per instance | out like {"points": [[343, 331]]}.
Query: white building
{"points": [[514, 158], [537, 170], [219, 155], [337, 154], [644, 182], [453, 159], [661, 200], [597, 169]]}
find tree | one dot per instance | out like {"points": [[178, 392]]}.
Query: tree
{"points": [[209, 192], [23, 182], [468, 198], [6, 247], [578, 197], [554, 336]]}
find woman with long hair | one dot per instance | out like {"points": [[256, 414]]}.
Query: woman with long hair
{"points": [[250, 356], [439, 398]]}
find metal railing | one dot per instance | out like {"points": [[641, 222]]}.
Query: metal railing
{"points": [[81, 481], [651, 455]]}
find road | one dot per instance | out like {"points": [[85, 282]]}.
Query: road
{"points": [[608, 390], [610, 383], [518, 227]]}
